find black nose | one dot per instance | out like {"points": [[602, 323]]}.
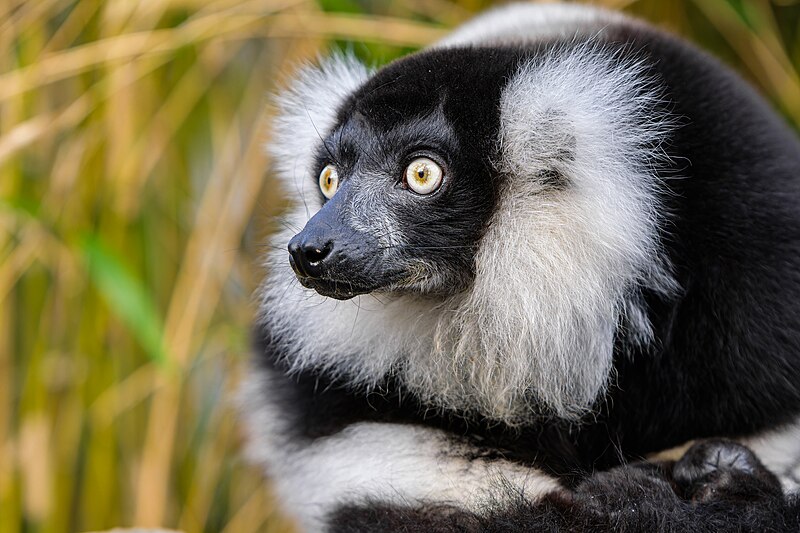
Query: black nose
{"points": [[306, 255]]}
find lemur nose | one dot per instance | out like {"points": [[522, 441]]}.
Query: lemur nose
{"points": [[306, 256]]}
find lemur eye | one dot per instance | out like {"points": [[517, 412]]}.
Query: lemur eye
{"points": [[423, 175], [328, 181]]}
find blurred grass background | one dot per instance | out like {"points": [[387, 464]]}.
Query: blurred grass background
{"points": [[134, 202]]}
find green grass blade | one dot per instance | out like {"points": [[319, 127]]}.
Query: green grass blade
{"points": [[127, 297]]}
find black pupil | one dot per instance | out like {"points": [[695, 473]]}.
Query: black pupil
{"points": [[421, 173]]}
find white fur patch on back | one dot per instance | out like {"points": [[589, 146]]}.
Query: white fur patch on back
{"points": [[398, 464], [530, 23]]}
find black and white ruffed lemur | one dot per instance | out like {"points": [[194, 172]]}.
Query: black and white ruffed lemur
{"points": [[519, 262]]}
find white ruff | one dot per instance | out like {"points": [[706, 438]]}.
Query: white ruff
{"points": [[555, 270]]}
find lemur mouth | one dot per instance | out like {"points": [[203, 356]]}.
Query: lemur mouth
{"points": [[338, 289]]}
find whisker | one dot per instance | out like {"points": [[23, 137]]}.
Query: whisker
{"points": [[414, 247], [300, 190], [375, 297], [284, 221], [324, 144], [286, 224], [271, 247], [288, 286], [385, 84], [358, 310]]}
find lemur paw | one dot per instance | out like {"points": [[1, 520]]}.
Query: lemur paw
{"points": [[723, 469]]}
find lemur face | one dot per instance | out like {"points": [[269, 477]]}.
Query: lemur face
{"points": [[407, 180]]}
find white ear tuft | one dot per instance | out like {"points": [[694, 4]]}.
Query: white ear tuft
{"points": [[307, 112]]}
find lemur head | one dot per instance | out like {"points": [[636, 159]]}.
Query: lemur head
{"points": [[490, 217], [407, 179]]}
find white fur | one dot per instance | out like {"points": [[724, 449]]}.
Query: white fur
{"points": [[779, 450], [530, 23], [557, 265], [389, 463], [306, 112], [554, 273]]}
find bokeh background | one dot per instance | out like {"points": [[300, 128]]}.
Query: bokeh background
{"points": [[134, 202]]}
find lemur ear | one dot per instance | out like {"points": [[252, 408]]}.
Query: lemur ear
{"points": [[587, 114], [541, 145]]}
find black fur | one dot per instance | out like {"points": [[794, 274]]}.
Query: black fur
{"points": [[729, 347]]}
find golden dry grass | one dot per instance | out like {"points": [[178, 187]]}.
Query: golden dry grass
{"points": [[134, 197]]}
